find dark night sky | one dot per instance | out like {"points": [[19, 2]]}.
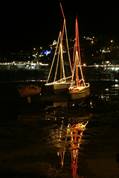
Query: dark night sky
{"points": [[27, 24]]}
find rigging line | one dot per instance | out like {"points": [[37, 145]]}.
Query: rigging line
{"points": [[77, 65], [77, 46], [74, 62], [56, 69], [58, 52], [67, 44], [73, 71], [54, 57], [62, 10], [61, 52], [62, 62], [66, 36]]}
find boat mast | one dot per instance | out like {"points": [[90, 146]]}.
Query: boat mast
{"points": [[62, 71], [67, 44], [78, 55]]}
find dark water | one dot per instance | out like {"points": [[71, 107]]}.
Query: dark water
{"points": [[32, 136]]}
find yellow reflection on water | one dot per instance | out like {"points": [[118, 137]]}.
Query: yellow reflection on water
{"points": [[71, 143]]}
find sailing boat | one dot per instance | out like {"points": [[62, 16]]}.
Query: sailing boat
{"points": [[60, 73], [78, 88]]}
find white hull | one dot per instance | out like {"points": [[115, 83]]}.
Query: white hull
{"points": [[61, 84]]}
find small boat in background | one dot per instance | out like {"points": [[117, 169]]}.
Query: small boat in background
{"points": [[29, 90]]}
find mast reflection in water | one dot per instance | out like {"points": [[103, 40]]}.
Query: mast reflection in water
{"points": [[44, 142], [69, 139]]}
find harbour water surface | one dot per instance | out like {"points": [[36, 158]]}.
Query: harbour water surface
{"points": [[32, 136]]}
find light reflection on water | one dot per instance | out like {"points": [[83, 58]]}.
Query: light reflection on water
{"points": [[35, 144], [107, 93], [68, 139]]}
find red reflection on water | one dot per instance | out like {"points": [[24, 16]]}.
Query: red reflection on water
{"points": [[73, 140]]}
